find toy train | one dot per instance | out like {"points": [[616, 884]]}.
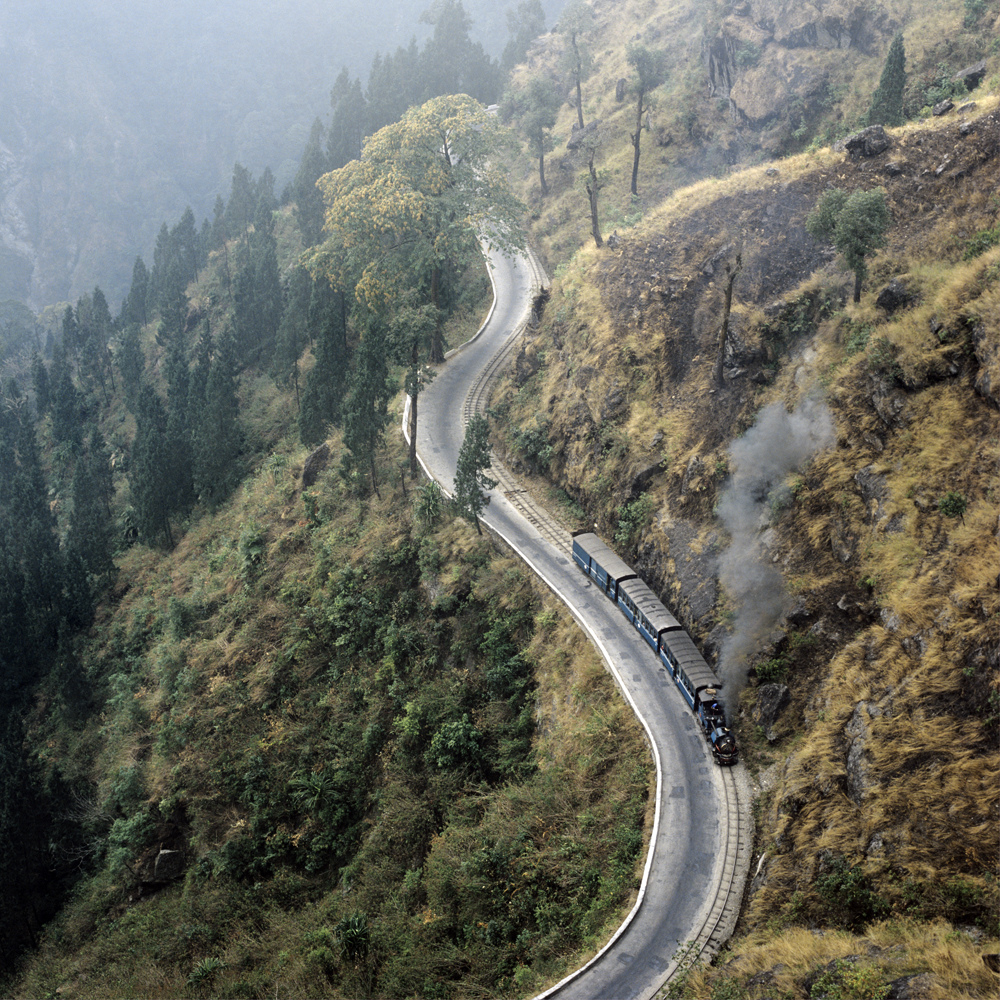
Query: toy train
{"points": [[695, 679]]}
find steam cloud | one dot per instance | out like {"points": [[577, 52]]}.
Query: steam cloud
{"points": [[778, 443]]}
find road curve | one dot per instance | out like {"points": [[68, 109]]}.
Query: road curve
{"points": [[696, 867]]}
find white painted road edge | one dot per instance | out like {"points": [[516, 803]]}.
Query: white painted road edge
{"points": [[612, 669]]}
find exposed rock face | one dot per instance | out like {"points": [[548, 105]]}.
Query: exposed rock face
{"points": [[987, 352], [169, 865], [942, 108], [771, 699], [314, 465], [747, 59]]}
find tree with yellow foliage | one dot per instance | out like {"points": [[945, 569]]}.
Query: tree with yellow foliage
{"points": [[411, 211]]}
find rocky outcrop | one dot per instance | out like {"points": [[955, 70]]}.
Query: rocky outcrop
{"points": [[771, 699], [867, 143], [314, 465]]}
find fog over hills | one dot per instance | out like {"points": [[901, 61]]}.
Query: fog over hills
{"points": [[116, 117]]}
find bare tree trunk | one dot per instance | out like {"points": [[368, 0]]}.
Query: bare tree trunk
{"points": [[412, 423], [541, 174], [437, 348], [579, 73], [592, 188], [733, 272], [857, 285], [635, 142]]}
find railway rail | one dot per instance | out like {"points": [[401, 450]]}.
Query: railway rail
{"points": [[735, 823]]}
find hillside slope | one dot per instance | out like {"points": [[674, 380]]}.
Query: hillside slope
{"points": [[855, 596]]}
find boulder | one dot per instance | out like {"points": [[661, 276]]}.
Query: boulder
{"points": [[972, 76], [314, 465], [942, 107], [894, 296], [868, 142], [614, 404], [169, 865]]}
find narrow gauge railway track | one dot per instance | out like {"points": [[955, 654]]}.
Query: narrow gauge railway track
{"points": [[735, 823], [476, 402], [721, 920]]}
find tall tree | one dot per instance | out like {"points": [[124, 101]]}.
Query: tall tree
{"points": [[416, 202], [887, 101], [218, 439], [349, 122], [325, 385], [308, 201], [471, 481], [134, 307], [575, 23], [65, 399], [649, 66], [525, 23], [412, 209], [366, 409], [534, 107], [149, 469], [856, 226], [90, 536], [131, 362]]}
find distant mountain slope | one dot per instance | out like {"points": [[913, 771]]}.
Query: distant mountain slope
{"points": [[110, 125]]}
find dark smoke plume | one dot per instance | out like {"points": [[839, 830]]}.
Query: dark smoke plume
{"points": [[778, 443]]}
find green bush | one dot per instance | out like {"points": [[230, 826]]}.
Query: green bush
{"points": [[953, 504], [632, 518], [980, 242]]}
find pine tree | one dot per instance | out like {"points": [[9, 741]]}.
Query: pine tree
{"points": [[131, 363], [65, 399], [134, 309], [366, 409], [90, 531], [40, 383], [471, 482], [308, 200], [323, 392], [217, 439], [178, 430], [524, 24], [148, 469], [887, 101]]}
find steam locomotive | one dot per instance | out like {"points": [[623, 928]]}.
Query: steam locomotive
{"points": [[694, 678]]}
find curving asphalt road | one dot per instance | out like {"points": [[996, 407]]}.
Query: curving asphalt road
{"points": [[694, 874]]}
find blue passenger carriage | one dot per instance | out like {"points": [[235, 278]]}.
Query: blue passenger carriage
{"points": [[695, 679]]}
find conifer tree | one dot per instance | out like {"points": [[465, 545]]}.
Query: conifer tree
{"points": [[178, 428], [366, 409], [323, 392], [471, 481], [148, 469], [131, 363], [524, 24], [349, 123], [218, 440], [308, 200], [887, 101], [40, 383], [65, 399], [90, 535], [134, 309]]}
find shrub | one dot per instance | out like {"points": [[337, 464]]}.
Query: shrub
{"points": [[980, 242], [632, 518], [849, 895], [953, 504]]}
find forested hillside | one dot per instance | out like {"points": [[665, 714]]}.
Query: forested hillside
{"points": [[278, 721]]}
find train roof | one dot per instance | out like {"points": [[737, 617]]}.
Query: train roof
{"points": [[604, 555], [650, 605], [693, 663]]}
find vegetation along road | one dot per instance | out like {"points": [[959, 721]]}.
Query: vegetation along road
{"points": [[698, 857]]}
